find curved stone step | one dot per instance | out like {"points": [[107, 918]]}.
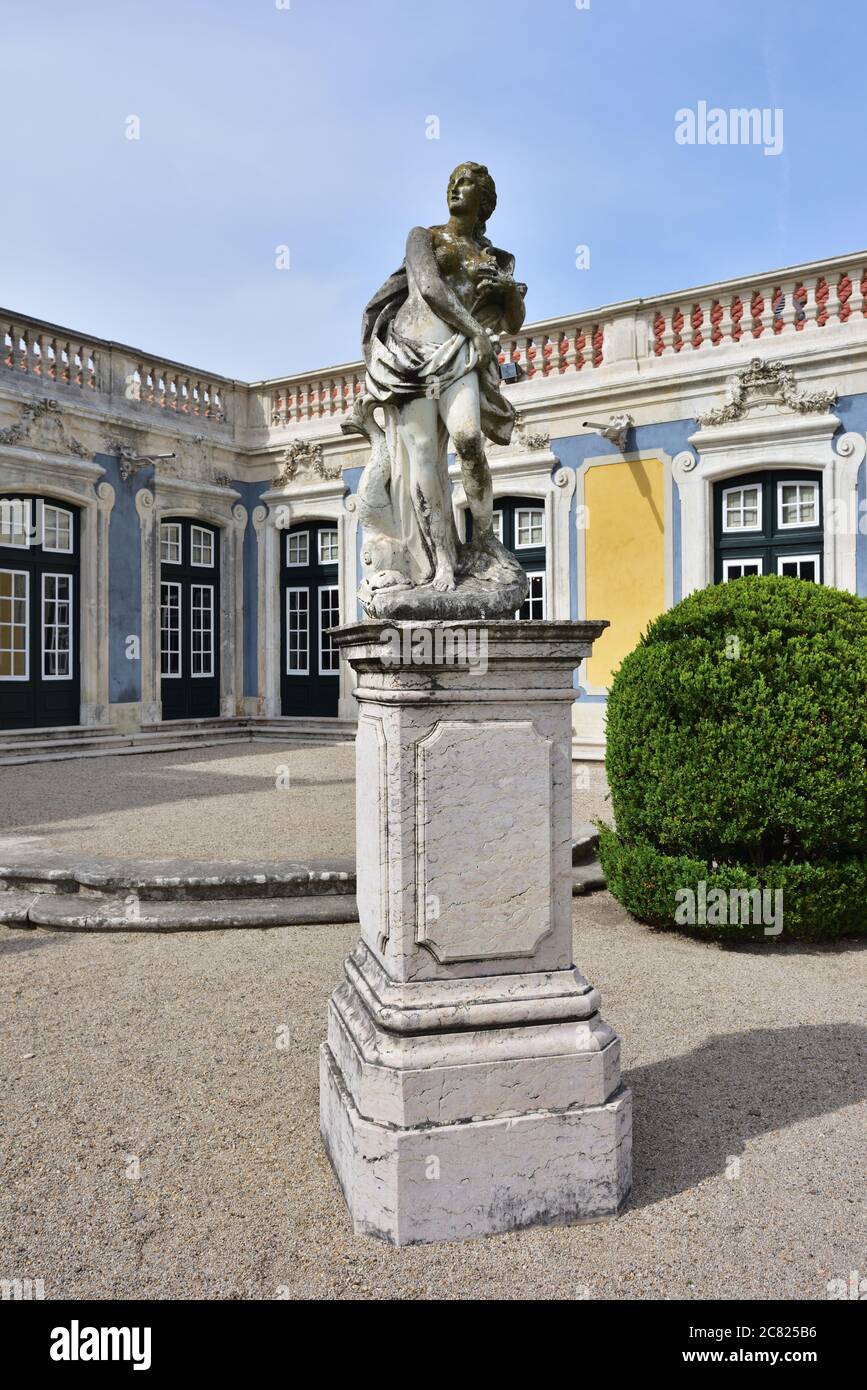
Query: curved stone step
{"points": [[585, 843], [75, 912], [173, 879], [587, 878]]}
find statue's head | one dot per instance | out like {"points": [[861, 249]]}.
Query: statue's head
{"points": [[472, 190]]}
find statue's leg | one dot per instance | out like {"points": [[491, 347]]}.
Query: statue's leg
{"points": [[418, 426], [460, 410]]}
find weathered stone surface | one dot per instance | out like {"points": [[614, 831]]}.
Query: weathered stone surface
{"points": [[77, 912], [469, 1083], [474, 600], [170, 879], [15, 907], [457, 1181]]}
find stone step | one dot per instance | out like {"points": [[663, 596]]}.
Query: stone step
{"points": [[173, 879], [75, 912], [587, 878], [585, 843]]}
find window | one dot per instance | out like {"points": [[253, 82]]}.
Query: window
{"points": [[56, 528], [533, 607], [170, 629], [202, 546], [329, 616], [14, 522], [498, 526], [202, 629], [740, 569], [742, 508], [328, 550], [14, 595], [799, 566], [170, 543], [798, 504], [298, 548], [529, 527], [297, 629], [57, 627]]}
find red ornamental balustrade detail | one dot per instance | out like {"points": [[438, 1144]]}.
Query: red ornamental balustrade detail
{"points": [[799, 298], [696, 319], [844, 294], [677, 329]]}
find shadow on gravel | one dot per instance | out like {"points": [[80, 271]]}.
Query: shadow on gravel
{"points": [[694, 1112], [17, 945]]}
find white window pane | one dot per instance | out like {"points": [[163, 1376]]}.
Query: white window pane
{"points": [[328, 551], [533, 607], [529, 527], [202, 630], [56, 528], [329, 616], [170, 543], [202, 546], [15, 522], [297, 631], [170, 629], [14, 658], [298, 548], [498, 526]]}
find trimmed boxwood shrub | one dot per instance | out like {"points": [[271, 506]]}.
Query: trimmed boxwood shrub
{"points": [[737, 758]]}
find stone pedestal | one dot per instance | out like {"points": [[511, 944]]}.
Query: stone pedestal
{"points": [[468, 1084]]}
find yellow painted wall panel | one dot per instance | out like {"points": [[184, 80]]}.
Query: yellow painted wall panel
{"points": [[624, 556]]}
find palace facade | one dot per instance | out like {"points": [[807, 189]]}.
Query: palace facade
{"points": [[174, 545]]}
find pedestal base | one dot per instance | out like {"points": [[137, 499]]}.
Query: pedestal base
{"points": [[454, 1182], [469, 1083], [460, 1108]]}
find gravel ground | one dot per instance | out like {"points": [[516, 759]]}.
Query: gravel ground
{"points": [[207, 803], [165, 1048]]}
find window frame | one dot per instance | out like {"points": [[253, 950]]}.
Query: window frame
{"points": [[328, 531], [531, 544], [59, 511], [209, 674], [798, 559], [297, 670], [756, 530], [742, 560], [177, 526], [298, 564], [49, 574], [12, 650], [798, 483], [179, 608], [531, 575], [328, 670], [28, 531], [203, 531]]}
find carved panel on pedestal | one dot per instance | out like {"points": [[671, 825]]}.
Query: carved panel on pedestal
{"points": [[483, 840]]}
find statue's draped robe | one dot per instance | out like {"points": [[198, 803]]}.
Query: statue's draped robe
{"points": [[400, 369]]}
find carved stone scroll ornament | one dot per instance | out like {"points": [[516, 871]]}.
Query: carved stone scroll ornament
{"points": [[763, 385], [303, 456]]}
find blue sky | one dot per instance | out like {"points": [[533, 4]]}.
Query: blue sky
{"points": [[305, 127]]}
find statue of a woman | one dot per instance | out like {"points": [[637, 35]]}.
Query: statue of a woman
{"points": [[429, 342]]}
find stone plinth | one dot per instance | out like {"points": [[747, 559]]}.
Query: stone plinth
{"points": [[469, 1084]]}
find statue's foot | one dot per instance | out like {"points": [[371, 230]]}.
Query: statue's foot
{"points": [[487, 558], [444, 578]]}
